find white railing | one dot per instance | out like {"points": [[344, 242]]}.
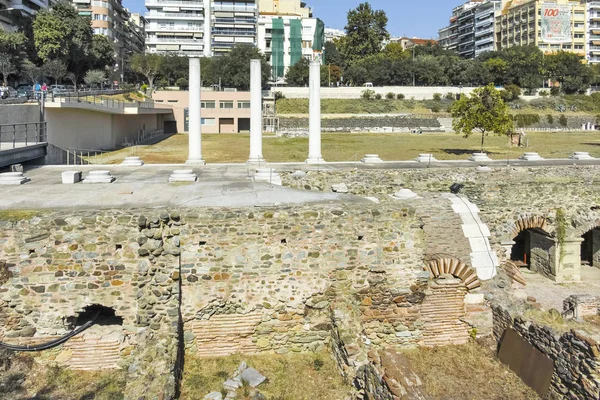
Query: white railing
{"points": [[174, 15]]}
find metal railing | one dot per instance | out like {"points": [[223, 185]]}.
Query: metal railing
{"points": [[98, 99], [84, 156], [13, 136]]}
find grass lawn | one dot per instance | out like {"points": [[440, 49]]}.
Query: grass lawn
{"points": [[234, 148], [289, 377]]}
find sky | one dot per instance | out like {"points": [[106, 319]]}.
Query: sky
{"points": [[406, 17]]}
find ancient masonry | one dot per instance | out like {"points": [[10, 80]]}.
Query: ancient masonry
{"points": [[279, 279]]}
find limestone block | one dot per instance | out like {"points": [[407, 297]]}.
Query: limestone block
{"points": [[214, 396], [132, 162], [405, 194], [268, 175], [13, 178], [70, 177], [371, 159], [252, 377], [425, 158], [580, 155], [99, 177], [531, 157], [482, 168], [480, 157], [476, 230], [339, 188], [183, 175]]}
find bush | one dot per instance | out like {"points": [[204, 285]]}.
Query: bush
{"points": [[144, 87], [544, 93], [525, 120], [436, 108], [449, 96], [279, 95], [367, 94], [554, 91], [550, 119], [378, 96], [563, 121], [437, 96], [390, 96], [182, 83], [400, 96], [510, 93]]}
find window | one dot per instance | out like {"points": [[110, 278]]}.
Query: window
{"points": [[207, 104], [579, 36], [579, 46], [226, 104], [207, 121], [243, 104]]}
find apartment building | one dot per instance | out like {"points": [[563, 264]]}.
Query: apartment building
{"points": [[485, 25], [136, 32], [9, 9], [332, 34], [287, 33], [199, 27], [562, 27], [459, 34], [593, 39]]}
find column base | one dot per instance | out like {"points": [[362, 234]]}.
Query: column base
{"points": [[256, 161], [195, 163], [315, 160]]}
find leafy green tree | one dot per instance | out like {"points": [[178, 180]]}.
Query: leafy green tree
{"points": [[6, 67], [497, 68], [174, 67], [148, 65], [483, 111], [429, 72], [297, 74], [330, 74], [395, 51], [12, 50], [365, 33], [333, 55], [567, 69], [55, 69], [60, 33], [94, 77], [102, 53], [32, 71], [525, 66], [234, 68]]}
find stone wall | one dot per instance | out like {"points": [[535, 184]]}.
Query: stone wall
{"points": [[576, 357], [296, 126]]}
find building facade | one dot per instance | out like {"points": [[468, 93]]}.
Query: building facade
{"points": [[333, 34], [9, 9], [593, 39], [199, 27], [520, 24], [136, 32], [485, 26]]}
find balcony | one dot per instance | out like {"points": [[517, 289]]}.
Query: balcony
{"points": [[232, 32], [175, 28], [246, 21], [187, 4], [163, 15], [234, 8], [159, 40]]}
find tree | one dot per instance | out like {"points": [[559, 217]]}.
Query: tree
{"points": [[147, 65], [94, 77], [234, 67], [483, 111], [32, 71], [6, 67], [330, 74], [72, 78], [174, 68], [567, 69], [55, 69], [298, 74], [497, 68], [102, 53], [333, 55], [12, 50], [395, 51], [365, 33]]}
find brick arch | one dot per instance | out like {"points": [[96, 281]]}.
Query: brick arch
{"points": [[582, 229], [529, 222], [453, 266]]}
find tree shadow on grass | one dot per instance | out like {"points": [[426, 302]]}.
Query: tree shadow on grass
{"points": [[591, 144], [461, 152]]}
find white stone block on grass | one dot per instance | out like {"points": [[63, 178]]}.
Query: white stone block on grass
{"points": [[371, 159], [531, 157], [183, 175], [70, 177], [425, 158], [13, 178], [99, 177], [580, 155], [132, 162], [480, 157]]}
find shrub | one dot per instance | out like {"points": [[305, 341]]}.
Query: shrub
{"points": [[554, 91], [550, 119], [436, 108], [144, 87], [367, 94], [510, 93], [563, 121], [400, 96], [279, 95], [437, 96], [390, 96], [378, 96], [182, 83], [449, 96], [544, 93], [525, 120]]}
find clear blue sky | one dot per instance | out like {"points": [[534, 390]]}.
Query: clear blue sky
{"points": [[406, 18]]}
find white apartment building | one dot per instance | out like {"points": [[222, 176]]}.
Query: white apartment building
{"points": [[593, 22], [333, 34], [199, 27], [11, 8], [485, 25]]}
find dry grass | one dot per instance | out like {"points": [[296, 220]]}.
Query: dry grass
{"points": [[18, 215], [26, 379], [467, 372], [562, 325], [289, 377], [234, 148]]}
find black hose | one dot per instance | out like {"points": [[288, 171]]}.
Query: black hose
{"points": [[52, 343]]}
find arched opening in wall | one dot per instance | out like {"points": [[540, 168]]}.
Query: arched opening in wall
{"points": [[590, 248], [531, 249], [103, 316]]}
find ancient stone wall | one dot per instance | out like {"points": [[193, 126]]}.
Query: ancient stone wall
{"points": [[576, 357]]}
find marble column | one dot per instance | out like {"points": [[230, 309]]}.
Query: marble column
{"points": [[207, 28], [314, 129], [256, 114], [195, 135]]}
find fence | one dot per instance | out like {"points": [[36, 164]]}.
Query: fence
{"points": [[13, 136], [97, 98], [85, 156]]}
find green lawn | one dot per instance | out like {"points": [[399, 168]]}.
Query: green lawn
{"points": [[234, 148]]}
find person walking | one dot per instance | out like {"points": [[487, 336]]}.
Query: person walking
{"points": [[44, 87], [36, 90]]}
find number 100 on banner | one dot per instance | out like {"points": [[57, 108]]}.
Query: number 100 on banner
{"points": [[556, 23]]}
